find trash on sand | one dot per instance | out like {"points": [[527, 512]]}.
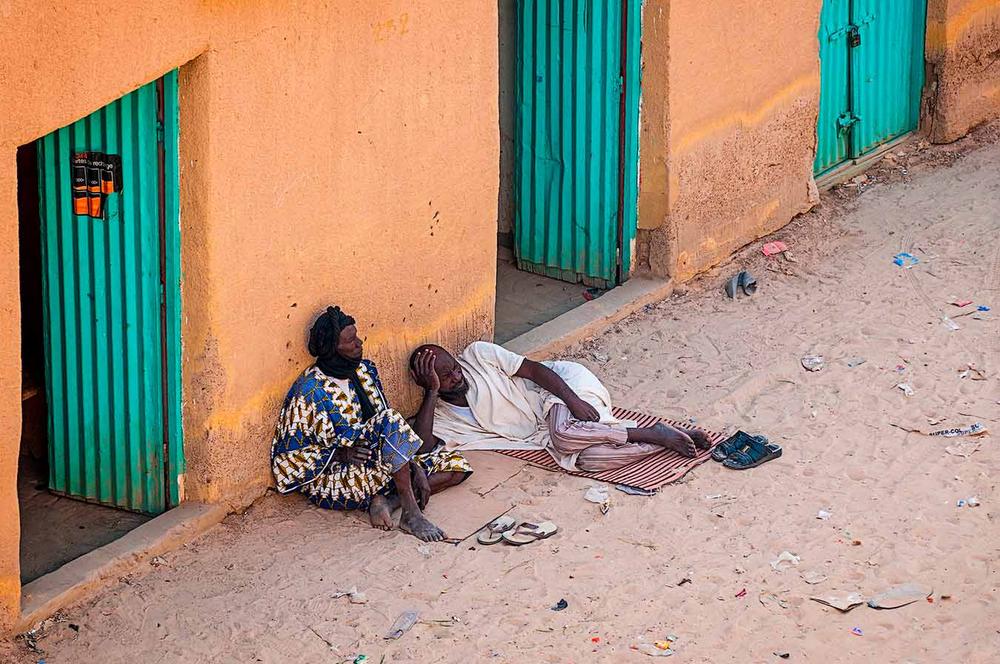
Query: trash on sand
{"points": [[766, 599], [560, 605], [857, 631], [823, 514], [353, 595], [972, 501], [635, 491], [950, 324], [982, 307], [773, 248], [402, 625], [782, 654], [360, 659], [904, 259], [424, 550], [856, 362], [778, 564], [651, 650], [907, 389], [841, 601], [975, 429], [963, 448], [157, 561], [683, 581], [898, 596], [970, 371], [599, 496], [813, 577], [812, 362], [961, 303], [742, 593]]}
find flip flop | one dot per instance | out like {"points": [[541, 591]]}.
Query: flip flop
{"points": [[530, 532], [748, 283], [732, 285], [737, 441], [493, 532], [754, 454]]}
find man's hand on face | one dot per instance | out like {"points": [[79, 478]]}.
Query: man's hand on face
{"points": [[582, 410], [352, 455], [424, 374]]}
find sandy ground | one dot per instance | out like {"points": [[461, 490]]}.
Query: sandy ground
{"points": [[259, 588]]}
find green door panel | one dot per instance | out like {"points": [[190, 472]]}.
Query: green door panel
{"points": [[102, 295], [569, 137]]}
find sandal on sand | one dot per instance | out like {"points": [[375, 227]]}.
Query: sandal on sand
{"points": [[530, 532], [493, 532], [753, 455], [737, 441]]}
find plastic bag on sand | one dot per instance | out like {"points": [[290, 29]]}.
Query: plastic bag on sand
{"points": [[403, 623], [784, 561], [908, 593], [840, 601]]}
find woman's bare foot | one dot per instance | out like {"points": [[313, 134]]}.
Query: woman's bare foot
{"points": [[415, 523], [380, 513], [676, 440]]}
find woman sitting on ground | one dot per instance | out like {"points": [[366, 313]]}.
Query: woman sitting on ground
{"points": [[338, 442]]}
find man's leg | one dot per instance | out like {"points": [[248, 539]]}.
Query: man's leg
{"points": [[572, 436]]}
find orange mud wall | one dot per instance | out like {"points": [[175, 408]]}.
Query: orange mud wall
{"points": [[331, 153], [963, 51], [728, 127]]}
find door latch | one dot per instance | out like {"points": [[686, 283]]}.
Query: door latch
{"points": [[846, 121], [854, 37]]}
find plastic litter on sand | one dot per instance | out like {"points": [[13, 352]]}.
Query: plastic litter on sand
{"points": [[904, 259], [784, 561], [971, 430], [813, 362]]}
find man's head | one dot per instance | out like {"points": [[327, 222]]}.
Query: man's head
{"points": [[335, 334], [447, 368]]}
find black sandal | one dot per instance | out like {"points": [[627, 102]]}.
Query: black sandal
{"points": [[754, 454], [737, 441]]}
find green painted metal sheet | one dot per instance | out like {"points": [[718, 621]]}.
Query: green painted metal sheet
{"points": [[102, 311], [633, 97], [887, 69], [569, 95], [832, 145], [871, 76]]}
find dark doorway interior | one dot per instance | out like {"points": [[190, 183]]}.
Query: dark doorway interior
{"points": [[54, 529]]}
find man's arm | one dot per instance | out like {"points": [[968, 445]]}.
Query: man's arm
{"points": [[423, 423], [549, 380]]}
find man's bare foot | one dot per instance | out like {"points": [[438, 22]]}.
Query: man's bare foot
{"points": [[380, 512], [676, 440], [417, 525], [699, 437]]}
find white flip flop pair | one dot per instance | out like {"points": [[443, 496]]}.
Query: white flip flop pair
{"points": [[506, 529]]}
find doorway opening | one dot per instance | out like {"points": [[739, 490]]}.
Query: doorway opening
{"points": [[569, 130], [100, 295]]}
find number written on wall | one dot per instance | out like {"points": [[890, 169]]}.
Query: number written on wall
{"points": [[95, 175], [392, 27]]}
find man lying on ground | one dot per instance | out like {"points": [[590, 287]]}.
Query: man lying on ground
{"points": [[338, 442], [490, 398]]}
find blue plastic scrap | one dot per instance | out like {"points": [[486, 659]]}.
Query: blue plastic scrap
{"points": [[904, 259], [982, 307]]}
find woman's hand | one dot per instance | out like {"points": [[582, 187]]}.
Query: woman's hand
{"points": [[582, 410], [421, 485], [424, 374], [356, 456]]}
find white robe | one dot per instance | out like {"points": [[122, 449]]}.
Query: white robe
{"points": [[509, 411]]}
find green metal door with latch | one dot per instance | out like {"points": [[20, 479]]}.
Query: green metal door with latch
{"points": [[871, 76], [577, 97], [108, 201]]}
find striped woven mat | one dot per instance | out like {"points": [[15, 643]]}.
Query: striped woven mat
{"points": [[650, 473]]}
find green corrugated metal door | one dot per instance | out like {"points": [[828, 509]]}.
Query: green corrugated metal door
{"points": [[834, 103], [111, 291], [577, 102], [887, 70], [871, 75]]}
